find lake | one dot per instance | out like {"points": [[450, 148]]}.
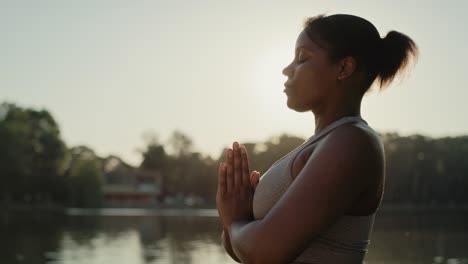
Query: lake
{"points": [[138, 236]]}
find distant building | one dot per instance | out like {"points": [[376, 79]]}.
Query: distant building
{"points": [[125, 186]]}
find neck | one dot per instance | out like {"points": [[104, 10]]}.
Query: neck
{"points": [[333, 112]]}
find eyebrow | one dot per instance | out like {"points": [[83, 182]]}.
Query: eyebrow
{"points": [[304, 48], [314, 43]]}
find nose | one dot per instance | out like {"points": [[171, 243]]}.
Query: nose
{"points": [[287, 71]]}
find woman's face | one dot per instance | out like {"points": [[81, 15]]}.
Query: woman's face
{"points": [[311, 76]]}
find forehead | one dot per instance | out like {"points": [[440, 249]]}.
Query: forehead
{"points": [[304, 41]]}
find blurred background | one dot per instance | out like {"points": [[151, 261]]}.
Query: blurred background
{"points": [[115, 114]]}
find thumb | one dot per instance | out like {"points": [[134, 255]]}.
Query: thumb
{"points": [[254, 178]]}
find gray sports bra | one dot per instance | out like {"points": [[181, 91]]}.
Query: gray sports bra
{"points": [[346, 240]]}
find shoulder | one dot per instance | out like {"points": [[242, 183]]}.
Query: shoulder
{"points": [[350, 150], [351, 142], [352, 139], [354, 147]]}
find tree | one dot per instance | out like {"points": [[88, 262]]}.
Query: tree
{"points": [[180, 143], [155, 159], [31, 155], [84, 175]]}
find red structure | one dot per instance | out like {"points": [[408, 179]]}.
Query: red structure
{"points": [[127, 187]]}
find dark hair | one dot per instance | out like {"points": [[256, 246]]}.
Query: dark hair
{"points": [[347, 35]]}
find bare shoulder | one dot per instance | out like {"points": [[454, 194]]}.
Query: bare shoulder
{"points": [[353, 134], [360, 143]]}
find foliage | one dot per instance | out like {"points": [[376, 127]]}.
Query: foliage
{"points": [[31, 155], [37, 168], [84, 177]]}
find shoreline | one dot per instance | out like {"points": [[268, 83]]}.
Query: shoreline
{"points": [[200, 211]]}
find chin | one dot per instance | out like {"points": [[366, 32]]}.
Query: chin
{"points": [[297, 108]]}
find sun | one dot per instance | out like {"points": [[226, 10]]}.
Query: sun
{"points": [[268, 80]]}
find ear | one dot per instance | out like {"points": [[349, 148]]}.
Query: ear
{"points": [[347, 66]]}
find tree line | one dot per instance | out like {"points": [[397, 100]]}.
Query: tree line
{"points": [[37, 167]]}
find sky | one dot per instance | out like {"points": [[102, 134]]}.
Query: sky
{"points": [[112, 71]]}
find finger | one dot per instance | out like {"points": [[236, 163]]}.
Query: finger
{"points": [[222, 178], [237, 166], [257, 179], [254, 178], [229, 171], [245, 166]]}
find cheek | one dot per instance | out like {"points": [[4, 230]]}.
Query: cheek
{"points": [[308, 79], [316, 76], [311, 89]]}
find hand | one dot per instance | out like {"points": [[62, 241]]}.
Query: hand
{"points": [[234, 196]]}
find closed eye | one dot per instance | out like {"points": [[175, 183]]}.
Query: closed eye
{"points": [[301, 60]]}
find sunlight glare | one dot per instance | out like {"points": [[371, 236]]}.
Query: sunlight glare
{"points": [[268, 80]]}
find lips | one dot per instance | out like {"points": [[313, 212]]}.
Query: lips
{"points": [[288, 88]]}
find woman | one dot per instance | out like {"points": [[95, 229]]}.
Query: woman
{"points": [[317, 204]]}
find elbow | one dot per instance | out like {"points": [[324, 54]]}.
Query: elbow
{"points": [[256, 255], [253, 246], [260, 253], [247, 254]]}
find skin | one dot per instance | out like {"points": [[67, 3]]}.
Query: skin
{"points": [[344, 173]]}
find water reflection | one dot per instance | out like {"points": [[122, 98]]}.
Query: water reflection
{"points": [[419, 238], [46, 238], [148, 238]]}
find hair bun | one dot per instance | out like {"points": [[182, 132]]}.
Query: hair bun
{"points": [[397, 50]]}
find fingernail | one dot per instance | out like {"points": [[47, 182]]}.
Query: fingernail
{"points": [[242, 149]]}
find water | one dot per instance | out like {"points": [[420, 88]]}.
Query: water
{"points": [[149, 237]]}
